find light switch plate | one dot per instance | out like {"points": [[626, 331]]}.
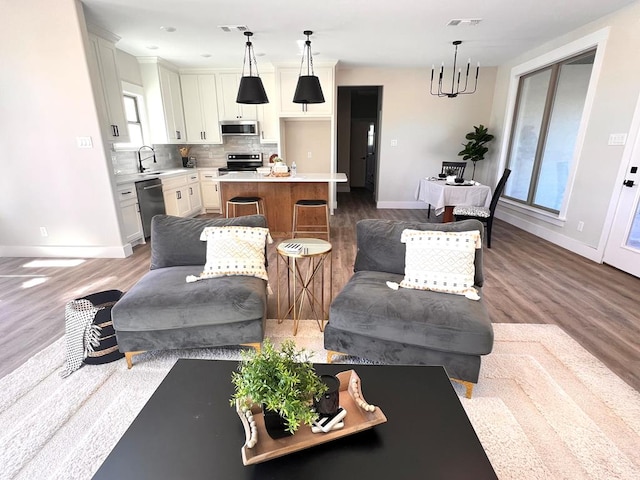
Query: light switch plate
{"points": [[84, 142], [617, 139]]}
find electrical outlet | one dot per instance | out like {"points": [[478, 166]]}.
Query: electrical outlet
{"points": [[43, 232], [394, 143], [308, 154], [580, 226]]}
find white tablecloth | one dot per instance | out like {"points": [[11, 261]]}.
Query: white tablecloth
{"points": [[439, 195]]}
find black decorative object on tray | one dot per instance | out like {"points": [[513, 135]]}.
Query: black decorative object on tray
{"points": [[328, 403]]}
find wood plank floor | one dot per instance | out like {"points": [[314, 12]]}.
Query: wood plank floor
{"points": [[528, 280]]}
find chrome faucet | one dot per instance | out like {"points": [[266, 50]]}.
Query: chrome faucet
{"points": [[140, 159]]}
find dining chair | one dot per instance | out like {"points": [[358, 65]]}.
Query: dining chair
{"points": [[454, 168], [484, 214], [450, 168]]}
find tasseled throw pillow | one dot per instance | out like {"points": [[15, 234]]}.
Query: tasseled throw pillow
{"points": [[440, 261], [234, 250]]}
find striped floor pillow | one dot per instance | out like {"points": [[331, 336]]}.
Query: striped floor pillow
{"points": [[107, 350]]}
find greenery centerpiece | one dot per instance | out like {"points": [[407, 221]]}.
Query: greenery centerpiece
{"points": [[282, 380], [475, 149]]}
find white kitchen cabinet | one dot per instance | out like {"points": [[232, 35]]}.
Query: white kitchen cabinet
{"points": [[108, 88], [195, 197], [130, 213], [227, 86], [268, 120], [200, 101], [176, 201], [210, 187], [182, 197], [163, 99], [287, 80]]}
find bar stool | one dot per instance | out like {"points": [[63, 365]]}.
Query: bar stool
{"points": [[235, 201], [315, 228]]}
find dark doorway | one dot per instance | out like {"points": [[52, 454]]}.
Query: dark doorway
{"points": [[358, 136]]}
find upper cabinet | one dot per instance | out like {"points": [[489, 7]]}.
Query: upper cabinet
{"points": [[199, 99], [228, 109], [268, 120], [163, 98], [108, 88], [287, 79]]}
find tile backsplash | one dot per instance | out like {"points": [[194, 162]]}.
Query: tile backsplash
{"points": [[168, 156]]}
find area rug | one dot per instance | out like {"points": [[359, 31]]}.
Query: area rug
{"points": [[544, 407]]}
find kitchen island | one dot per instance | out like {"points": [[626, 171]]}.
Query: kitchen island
{"points": [[279, 194]]}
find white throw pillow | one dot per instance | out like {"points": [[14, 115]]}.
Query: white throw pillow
{"points": [[440, 261], [234, 250]]}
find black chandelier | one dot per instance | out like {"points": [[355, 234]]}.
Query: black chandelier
{"points": [[455, 79], [251, 90], [308, 89]]}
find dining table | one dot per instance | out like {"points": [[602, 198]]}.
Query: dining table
{"points": [[444, 196]]}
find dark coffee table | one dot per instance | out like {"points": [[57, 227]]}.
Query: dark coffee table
{"points": [[188, 430]]}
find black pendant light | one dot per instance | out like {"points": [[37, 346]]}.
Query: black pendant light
{"points": [[251, 90], [455, 82], [308, 89]]}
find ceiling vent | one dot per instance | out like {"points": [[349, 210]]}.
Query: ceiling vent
{"points": [[470, 22], [233, 28]]}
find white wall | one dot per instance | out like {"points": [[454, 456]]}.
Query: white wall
{"points": [[46, 102], [304, 138], [428, 129], [598, 164]]}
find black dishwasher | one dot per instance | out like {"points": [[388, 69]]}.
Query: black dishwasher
{"points": [[151, 202]]}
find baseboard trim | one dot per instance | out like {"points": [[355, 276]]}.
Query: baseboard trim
{"points": [[66, 252], [592, 253]]}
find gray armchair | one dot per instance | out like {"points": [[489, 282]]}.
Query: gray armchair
{"points": [[162, 311], [406, 326]]}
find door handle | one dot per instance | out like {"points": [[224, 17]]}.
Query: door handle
{"points": [[628, 183]]}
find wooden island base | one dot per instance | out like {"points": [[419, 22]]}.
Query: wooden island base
{"points": [[278, 198]]}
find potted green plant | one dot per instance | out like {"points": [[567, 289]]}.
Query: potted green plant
{"points": [[282, 380], [475, 149]]}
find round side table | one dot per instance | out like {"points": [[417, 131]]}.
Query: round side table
{"points": [[304, 265]]}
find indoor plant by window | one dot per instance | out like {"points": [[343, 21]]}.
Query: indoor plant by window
{"points": [[475, 148], [282, 380]]}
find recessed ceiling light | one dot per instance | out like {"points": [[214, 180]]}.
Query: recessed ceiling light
{"points": [[168, 29], [205, 55], [152, 47]]}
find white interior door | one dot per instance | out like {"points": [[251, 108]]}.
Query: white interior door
{"points": [[623, 246]]}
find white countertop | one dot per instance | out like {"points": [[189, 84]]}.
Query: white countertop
{"points": [[301, 177], [136, 177]]}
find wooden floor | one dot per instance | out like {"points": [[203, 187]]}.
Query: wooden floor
{"points": [[528, 280]]}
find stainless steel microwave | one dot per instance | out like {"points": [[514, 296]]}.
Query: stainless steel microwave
{"points": [[239, 127]]}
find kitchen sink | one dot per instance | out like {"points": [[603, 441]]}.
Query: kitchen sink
{"points": [[151, 174]]}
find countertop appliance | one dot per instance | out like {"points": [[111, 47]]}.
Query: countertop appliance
{"points": [[150, 201], [239, 127], [242, 162]]}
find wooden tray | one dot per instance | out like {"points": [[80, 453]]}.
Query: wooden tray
{"points": [[360, 416]]}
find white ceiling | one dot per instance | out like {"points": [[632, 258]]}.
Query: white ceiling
{"points": [[393, 33]]}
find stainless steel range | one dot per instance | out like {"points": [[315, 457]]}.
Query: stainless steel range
{"points": [[242, 162]]}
